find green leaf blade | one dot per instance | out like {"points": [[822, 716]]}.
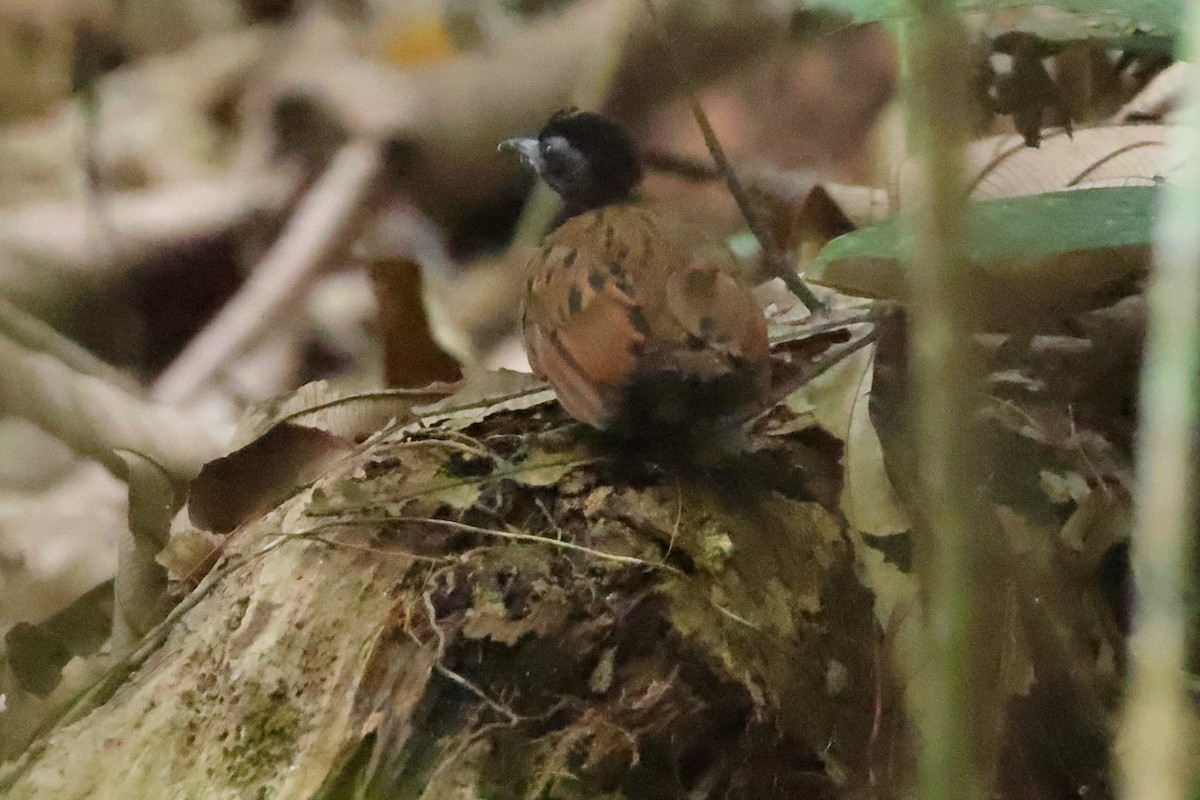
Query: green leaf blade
{"points": [[1057, 243]]}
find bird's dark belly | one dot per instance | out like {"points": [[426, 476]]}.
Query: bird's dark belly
{"points": [[662, 405]]}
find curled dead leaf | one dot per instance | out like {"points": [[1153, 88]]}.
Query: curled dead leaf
{"points": [[36, 653], [238, 487]]}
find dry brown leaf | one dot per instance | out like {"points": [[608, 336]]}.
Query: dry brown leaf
{"points": [[36, 653], [413, 358], [238, 487], [418, 349], [352, 417]]}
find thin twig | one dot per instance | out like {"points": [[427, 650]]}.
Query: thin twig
{"points": [[513, 535], [776, 260], [96, 418], [455, 677], [472, 480], [942, 317], [828, 360], [322, 225]]}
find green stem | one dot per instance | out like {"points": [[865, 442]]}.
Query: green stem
{"points": [[1154, 759], [942, 315]]}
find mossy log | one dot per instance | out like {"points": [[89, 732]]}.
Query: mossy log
{"points": [[507, 606]]}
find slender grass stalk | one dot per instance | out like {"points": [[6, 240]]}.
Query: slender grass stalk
{"points": [[1154, 752], [942, 317]]}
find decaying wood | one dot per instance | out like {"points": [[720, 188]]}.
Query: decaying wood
{"points": [[485, 599], [490, 594]]}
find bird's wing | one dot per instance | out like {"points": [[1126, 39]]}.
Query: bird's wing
{"points": [[613, 293], [584, 330], [715, 311]]}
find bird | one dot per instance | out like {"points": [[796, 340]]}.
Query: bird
{"points": [[640, 333]]}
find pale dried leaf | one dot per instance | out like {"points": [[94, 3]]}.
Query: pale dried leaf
{"points": [[153, 498], [1002, 166], [352, 417], [839, 401], [898, 613], [1064, 486], [489, 619], [1158, 97], [140, 588], [188, 548], [1103, 519], [483, 393], [863, 205]]}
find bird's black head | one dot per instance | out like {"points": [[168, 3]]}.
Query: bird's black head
{"points": [[587, 158]]}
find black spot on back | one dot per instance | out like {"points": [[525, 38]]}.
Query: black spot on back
{"points": [[569, 259], [622, 281], [596, 280], [574, 301], [638, 320]]}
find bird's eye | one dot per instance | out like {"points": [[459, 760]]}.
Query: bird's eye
{"points": [[553, 146], [561, 162]]}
